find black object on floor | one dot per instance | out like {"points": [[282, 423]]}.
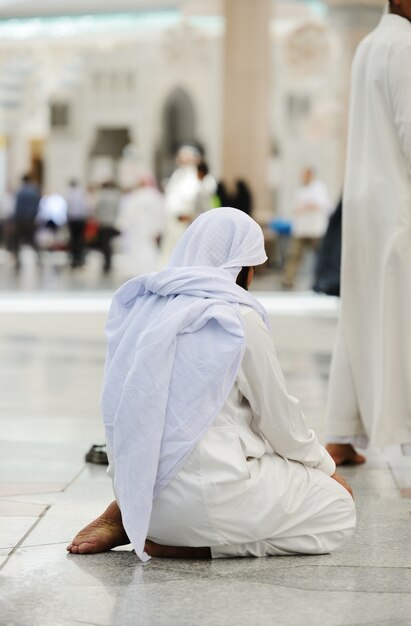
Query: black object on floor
{"points": [[97, 454]]}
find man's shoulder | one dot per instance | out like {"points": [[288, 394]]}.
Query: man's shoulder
{"points": [[253, 321], [393, 31]]}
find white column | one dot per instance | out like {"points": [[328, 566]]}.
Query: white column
{"points": [[246, 94]]}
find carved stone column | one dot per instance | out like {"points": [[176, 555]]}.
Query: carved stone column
{"points": [[246, 98]]}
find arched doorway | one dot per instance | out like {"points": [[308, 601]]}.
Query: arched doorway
{"points": [[179, 127]]}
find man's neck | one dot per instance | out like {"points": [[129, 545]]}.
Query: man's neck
{"points": [[395, 10]]}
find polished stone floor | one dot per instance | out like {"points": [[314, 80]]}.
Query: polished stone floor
{"points": [[52, 347]]}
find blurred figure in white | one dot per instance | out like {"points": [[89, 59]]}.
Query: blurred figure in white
{"points": [[206, 189], [51, 217], [141, 223], [311, 211], [78, 211], [106, 212], [180, 197]]}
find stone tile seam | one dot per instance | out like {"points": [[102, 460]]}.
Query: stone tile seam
{"points": [[43, 493], [27, 534], [283, 586], [10, 498], [293, 567], [73, 480], [77, 621]]}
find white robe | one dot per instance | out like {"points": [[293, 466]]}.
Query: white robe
{"points": [[180, 194], [370, 385], [140, 221], [307, 221], [239, 496]]}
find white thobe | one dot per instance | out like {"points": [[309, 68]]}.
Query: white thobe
{"points": [[141, 221], [258, 483], [311, 210], [370, 385], [180, 198]]}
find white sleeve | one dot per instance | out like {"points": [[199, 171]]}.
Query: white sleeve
{"points": [[399, 77], [276, 414]]}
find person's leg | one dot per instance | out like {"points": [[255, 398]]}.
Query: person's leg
{"points": [[76, 228], [102, 534], [345, 454], [293, 261], [105, 241], [81, 241], [107, 532], [176, 552], [72, 242], [15, 244], [319, 523], [314, 243], [344, 424]]}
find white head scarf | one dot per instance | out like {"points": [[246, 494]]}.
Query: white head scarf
{"points": [[175, 344]]}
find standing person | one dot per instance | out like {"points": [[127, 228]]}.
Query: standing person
{"points": [[328, 268], [237, 195], [78, 212], [309, 222], [24, 218], [51, 217], [206, 189], [106, 212], [180, 196], [370, 386], [209, 454], [141, 223]]}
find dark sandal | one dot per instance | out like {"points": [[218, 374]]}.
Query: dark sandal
{"points": [[97, 454]]}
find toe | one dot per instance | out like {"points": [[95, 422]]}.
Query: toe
{"points": [[87, 548]]}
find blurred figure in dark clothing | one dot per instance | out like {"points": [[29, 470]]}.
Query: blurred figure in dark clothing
{"points": [[239, 198], [24, 218], [77, 215], [327, 272], [106, 211]]}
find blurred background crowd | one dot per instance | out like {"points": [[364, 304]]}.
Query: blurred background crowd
{"points": [[120, 123]]}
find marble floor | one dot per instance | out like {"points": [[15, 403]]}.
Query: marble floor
{"points": [[52, 346]]}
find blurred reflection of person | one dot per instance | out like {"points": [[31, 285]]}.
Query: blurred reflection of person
{"points": [[180, 197], [141, 223], [309, 222]]}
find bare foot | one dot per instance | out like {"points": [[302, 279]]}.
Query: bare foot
{"points": [[176, 552], [345, 454], [104, 533]]}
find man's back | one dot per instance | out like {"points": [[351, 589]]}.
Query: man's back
{"points": [[27, 202], [378, 184], [371, 372]]}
